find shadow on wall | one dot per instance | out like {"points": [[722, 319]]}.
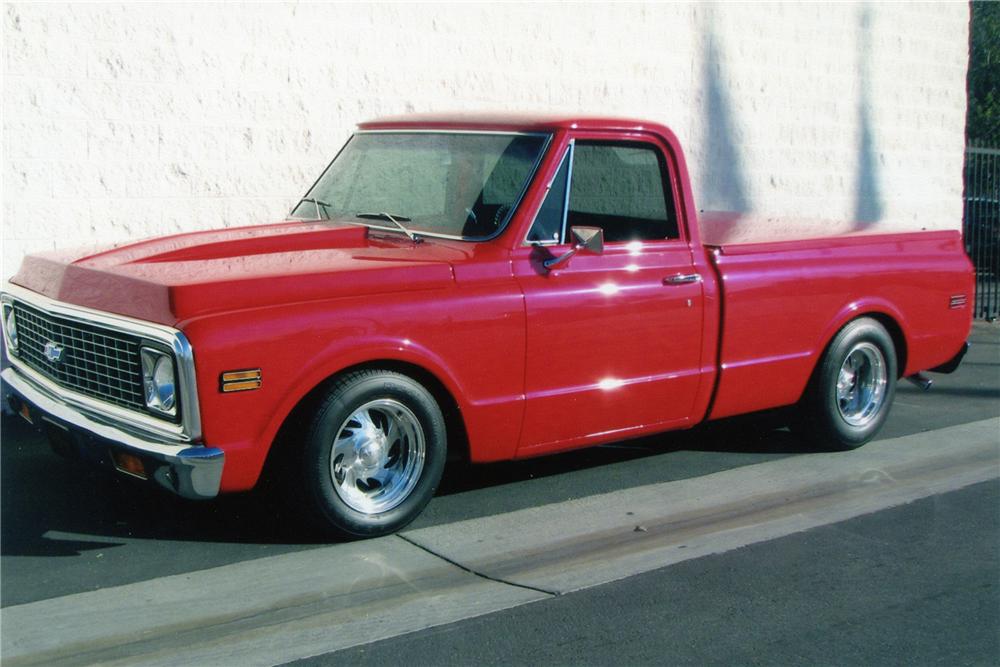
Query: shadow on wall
{"points": [[722, 174], [868, 207]]}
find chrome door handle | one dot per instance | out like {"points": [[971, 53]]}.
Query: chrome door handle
{"points": [[682, 279]]}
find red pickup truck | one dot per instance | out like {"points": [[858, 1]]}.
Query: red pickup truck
{"points": [[489, 287]]}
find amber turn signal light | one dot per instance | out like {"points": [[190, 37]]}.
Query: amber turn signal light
{"points": [[130, 464], [240, 380]]}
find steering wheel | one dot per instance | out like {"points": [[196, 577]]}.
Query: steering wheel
{"points": [[500, 215]]}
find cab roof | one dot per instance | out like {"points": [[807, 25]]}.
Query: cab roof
{"points": [[513, 122]]}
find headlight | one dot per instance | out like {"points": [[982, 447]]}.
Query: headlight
{"points": [[158, 381], [11, 330]]}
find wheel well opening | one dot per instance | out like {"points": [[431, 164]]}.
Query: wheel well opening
{"points": [[458, 439], [891, 326], [898, 339]]}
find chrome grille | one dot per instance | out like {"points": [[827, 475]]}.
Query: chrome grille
{"points": [[95, 361]]}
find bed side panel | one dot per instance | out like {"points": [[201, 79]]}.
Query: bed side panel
{"points": [[783, 303]]}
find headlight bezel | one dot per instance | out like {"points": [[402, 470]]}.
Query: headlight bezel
{"points": [[158, 367], [10, 328]]}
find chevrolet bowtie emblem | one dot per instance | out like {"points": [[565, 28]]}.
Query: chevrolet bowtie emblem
{"points": [[54, 352]]}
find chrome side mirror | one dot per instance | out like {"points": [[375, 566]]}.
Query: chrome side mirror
{"points": [[585, 239]]}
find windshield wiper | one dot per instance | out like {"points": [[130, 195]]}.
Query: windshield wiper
{"points": [[394, 219], [317, 203]]}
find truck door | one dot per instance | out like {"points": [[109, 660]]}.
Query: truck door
{"points": [[613, 340]]}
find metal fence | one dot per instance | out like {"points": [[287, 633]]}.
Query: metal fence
{"points": [[981, 226]]}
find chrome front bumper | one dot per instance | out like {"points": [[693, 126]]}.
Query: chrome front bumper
{"points": [[190, 471]]}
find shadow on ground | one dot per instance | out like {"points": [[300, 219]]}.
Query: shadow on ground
{"points": [[45, 495]]}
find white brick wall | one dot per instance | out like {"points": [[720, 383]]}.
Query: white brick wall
{"points": [[124, 121]]}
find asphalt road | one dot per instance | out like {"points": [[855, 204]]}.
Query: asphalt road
{"points": [[67, 530], [913, 585]]}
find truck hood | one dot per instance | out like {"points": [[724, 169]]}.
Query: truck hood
{"points": [[176, 278]]}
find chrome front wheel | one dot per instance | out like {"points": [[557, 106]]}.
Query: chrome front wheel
{"points": [[378, 456], [373, 453]]}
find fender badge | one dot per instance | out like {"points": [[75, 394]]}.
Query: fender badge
{"points": [[54, 352]]}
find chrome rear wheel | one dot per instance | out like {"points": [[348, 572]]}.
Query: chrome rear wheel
{"points": [[861, 384], [851, 390]]}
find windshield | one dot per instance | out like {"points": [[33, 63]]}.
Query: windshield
{"points": [[462, 185]]}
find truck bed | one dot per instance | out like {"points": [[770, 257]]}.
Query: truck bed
{"points": [[783, 300]]}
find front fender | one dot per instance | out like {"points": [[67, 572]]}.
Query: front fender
{"points": [[475, 350]]}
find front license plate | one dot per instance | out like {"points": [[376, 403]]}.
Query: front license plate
{"points": [[25, 412]]}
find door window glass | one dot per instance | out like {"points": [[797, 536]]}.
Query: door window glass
{"points": [[620, 187]]}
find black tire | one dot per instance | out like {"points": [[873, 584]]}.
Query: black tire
{"points": [[355, 500], [845, 405]]}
